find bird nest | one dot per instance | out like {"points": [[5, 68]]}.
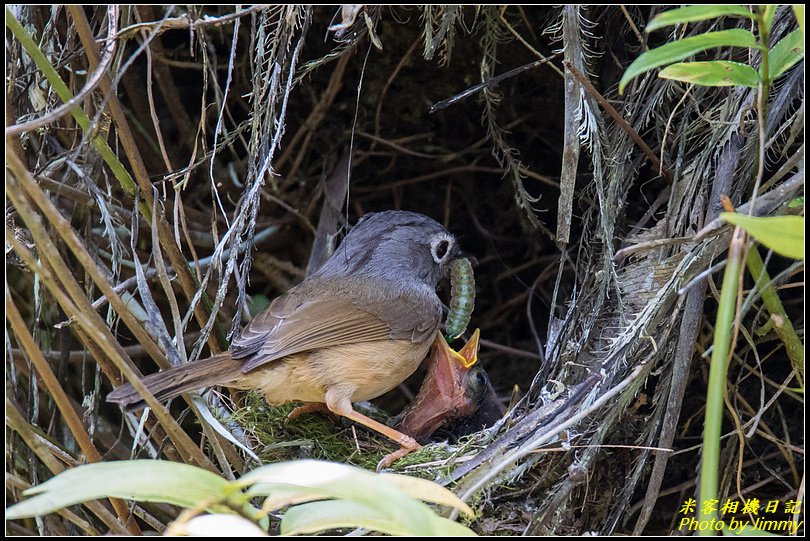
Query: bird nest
{"points": [[203, 161]]}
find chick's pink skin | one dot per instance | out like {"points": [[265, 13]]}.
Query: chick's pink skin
{"points": [[445, 392]]}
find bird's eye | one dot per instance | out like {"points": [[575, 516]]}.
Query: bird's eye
{"points": [[440, 247], [481, 379], [477, 383]]}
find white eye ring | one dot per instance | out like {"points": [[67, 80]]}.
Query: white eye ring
{"points": [[440, 248]]}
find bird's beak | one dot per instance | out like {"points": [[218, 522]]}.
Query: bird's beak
{"points": [[466, 356]]}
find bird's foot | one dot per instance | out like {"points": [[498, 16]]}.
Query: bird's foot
{"points": [[403, 451], [309, 407]]}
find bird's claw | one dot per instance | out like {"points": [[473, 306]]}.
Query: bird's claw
{"points": [[403, 451]]}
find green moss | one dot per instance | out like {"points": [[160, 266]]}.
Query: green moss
{"points": [[324, 437]]}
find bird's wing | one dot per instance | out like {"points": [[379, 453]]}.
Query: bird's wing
{"points": [[302, 320]]}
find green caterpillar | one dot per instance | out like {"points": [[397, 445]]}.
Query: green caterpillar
{"points": [[462, 298]]}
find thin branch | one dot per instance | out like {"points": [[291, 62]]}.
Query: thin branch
{"points": [[62, 401], [90, 85]]}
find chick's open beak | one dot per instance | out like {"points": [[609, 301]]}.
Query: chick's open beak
{"points": [[445, 393], [466, 356]]}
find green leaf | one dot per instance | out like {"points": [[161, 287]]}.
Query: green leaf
{"points": [[141, 480], [329, 515], [278, 495], [282, 495], [691, 14], [298, 481], [798, 11], [713, 73], [676, 51], [783, 55], [782, 234], [796, 202], [427, 491], [332, 514], [356, 498]]}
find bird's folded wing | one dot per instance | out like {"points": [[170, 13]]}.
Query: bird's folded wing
{"points": [[285, 329], [301, 321]]}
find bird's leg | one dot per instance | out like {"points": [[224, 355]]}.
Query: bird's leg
{"points": [[407, 444], [309, 407], [338, 401]]}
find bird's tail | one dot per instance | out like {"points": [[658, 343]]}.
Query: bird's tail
{"points": [[217, 370]]}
